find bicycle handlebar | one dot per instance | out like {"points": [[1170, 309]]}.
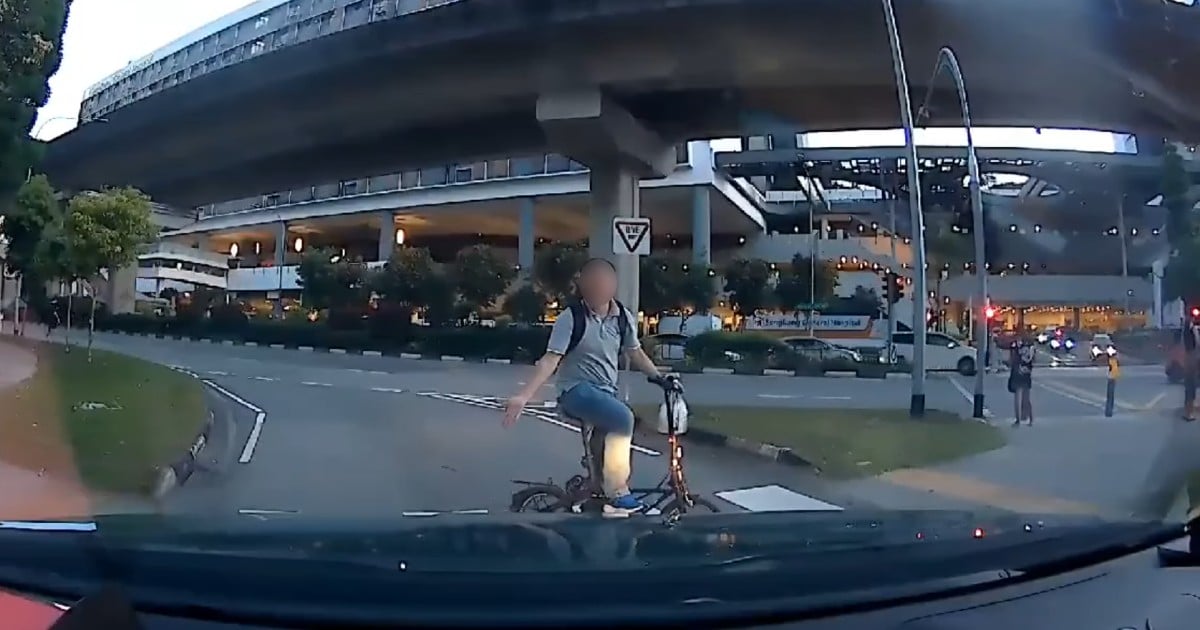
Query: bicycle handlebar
{"points": [[668, 382]]}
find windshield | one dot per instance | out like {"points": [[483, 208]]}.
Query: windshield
{"points": [[321, 263]]}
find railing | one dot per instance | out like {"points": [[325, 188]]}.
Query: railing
{"points": [[425, 178], [173, 251]]}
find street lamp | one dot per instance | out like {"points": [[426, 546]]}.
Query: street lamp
{"points": [[949, 61], [917, 402]]}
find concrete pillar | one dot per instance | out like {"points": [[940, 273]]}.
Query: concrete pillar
{"points": [[387, 235], [701, 226], [121, 291], [1076, 318], [615, 193], [281, 245], [1157, 268], [526, 238]]}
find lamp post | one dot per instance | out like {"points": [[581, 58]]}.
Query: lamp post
{"points": [[917, 402], [948, 61]]}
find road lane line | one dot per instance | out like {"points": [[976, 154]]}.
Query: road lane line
{"points": [[387, 390], [1097, 398], [779, 396], [315, 384], [1066, 394], [267, 379], [1157, 399], [987, 413], [216, 373], [259, 417], [258, 512], [832, 397], [978, 491]]}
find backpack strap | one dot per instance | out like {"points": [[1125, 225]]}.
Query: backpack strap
{"points": [[578, 325], [623, 321]]}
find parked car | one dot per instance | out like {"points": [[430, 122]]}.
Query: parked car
{"points": [[823, 352]]}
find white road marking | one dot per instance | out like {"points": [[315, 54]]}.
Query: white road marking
{"points": [[48, 526], [260, 416], [779, 396], [426, 514], [255, 512], [419, 513], [833, 397], [216, 373], [775, 498], [387, 390], [267, 379], [987, 413], [487, 402], [315, 384]]}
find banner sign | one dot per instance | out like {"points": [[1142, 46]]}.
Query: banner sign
{"points": [[799, 321]]}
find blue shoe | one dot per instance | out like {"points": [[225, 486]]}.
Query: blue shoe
{"points": [[623, 506]]}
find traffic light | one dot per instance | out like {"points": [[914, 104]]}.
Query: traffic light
{"points": [[989, 312]]}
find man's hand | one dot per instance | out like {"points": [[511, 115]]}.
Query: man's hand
{"points": [[513, 409]]}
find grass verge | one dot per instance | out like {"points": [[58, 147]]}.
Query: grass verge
{"points": [[151, 415], [846, 443]]}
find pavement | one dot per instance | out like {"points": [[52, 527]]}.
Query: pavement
{"points": [[362, 436]]}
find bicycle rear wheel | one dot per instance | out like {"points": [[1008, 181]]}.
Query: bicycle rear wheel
{"points": [[540, 499]]}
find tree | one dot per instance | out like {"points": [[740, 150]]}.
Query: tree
{"points": [[333, 283], [748, 282], [659, 283], [698, 288], [555, 267], [864, 301], [481, 277], [32, 214], [408, 279], [31, 32], [800, 284], [1181, 278], [526, 305], [104, 230]]}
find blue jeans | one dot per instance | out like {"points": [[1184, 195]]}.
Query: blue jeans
{"points": [[604, 411]]}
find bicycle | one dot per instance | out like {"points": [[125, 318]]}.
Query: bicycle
{"points": [[583, 493]]}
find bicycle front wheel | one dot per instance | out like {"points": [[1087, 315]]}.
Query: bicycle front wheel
{"points": [[540, 499], [700, 505]]}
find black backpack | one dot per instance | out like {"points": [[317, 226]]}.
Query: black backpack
{"points": [[580, 322]]}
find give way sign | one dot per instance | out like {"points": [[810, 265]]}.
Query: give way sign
{"points": [[631, 236]]}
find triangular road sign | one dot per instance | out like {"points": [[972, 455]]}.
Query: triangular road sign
{"points": [[631, 236]]}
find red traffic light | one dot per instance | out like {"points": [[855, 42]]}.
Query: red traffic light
{"points": [[989, 312], [1196, 311]]}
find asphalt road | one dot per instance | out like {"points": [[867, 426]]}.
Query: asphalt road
{"points": [[356, 436]]}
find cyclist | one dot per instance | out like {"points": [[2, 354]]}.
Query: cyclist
{"points": [[585, 344]]}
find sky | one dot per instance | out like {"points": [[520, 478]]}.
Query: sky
{"points": [[104, 35]]}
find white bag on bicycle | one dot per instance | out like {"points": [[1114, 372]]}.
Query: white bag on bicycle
{"points": [[681, 417]]}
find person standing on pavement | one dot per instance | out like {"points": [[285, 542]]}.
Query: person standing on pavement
{"points": [[1191, 364], [1020, 381]]}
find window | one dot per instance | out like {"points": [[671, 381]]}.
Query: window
{"points": [[905, 339], [257, 47], [462, 174], [348, 188], [271, 200], [497, 169], [758, 143], [262, 21]]}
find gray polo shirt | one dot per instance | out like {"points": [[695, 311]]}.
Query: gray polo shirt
{"points": [[594, 360]]}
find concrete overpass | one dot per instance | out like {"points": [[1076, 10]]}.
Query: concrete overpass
{"points": [[377, 91]]}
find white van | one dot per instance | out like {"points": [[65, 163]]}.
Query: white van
{"points": [[942, 352]]}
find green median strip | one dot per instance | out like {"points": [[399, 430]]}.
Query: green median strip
{"points": [[109, 423], [847, 443]]}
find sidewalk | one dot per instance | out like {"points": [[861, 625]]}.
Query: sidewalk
{"points": [[1112, 467]]}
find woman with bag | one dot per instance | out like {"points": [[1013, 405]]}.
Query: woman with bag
{"points": [[1020, 381]]}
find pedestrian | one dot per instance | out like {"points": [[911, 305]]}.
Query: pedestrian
{"points": [[1020, 380], [1191, 362]]}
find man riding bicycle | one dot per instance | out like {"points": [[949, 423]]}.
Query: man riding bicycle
{"points": [[585, 343]]}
